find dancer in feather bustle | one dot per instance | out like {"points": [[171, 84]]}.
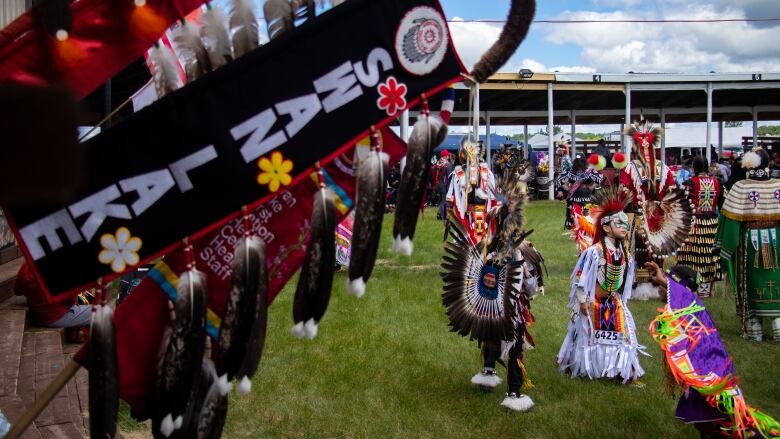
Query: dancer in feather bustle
{"points": [[490, 275], [748, 236], [661, 214], [698, 252], [601, 339]]}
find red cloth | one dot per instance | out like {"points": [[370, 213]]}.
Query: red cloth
{"points": [[143, 316], [705, 194], [46, 310], [101, 32]]}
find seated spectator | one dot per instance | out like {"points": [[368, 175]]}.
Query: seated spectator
{"points": [[57, 312]]}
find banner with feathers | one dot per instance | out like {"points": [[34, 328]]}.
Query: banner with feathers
{"points": [[236, 137]]}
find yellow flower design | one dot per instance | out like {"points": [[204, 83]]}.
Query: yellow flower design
{"points": [[274, 172], [119, 250]]}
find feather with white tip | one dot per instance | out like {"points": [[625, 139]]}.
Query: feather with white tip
{"points": [[192, 53], [243, 27], [183, 349], [428, 133], [369, 211], [259, 317], [312, 294], [215, 37], [166, 76], [279, 17]]}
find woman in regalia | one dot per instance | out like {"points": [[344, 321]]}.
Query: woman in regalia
{"points": [[698, 252], [601, 339], [749, 238]]}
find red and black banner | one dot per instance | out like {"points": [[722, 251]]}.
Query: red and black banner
{"points": [[238, 136]]}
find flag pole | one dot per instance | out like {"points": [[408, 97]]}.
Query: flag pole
{"points": [[107, 118], [54, 387]]}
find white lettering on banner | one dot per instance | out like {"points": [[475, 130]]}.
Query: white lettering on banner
{"points": [[47, 228], [180, 168], [344, 85], [302, 110], [340, 84], [99, 207], [150, 188], [369, 77], [258, 127]]}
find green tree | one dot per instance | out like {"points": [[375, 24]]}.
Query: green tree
{"points": [[556, 130], [773, 130]]}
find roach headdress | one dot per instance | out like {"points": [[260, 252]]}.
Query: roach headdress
{"points": [[609, 201]]}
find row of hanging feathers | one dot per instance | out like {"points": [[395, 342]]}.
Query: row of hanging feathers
{"points": [[217, 39]]}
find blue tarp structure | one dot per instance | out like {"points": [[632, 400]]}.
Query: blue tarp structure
{"points": [[452, 142]]}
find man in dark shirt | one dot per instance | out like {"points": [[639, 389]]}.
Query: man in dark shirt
{"points": [[443, 183]]}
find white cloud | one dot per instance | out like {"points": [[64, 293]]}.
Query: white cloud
{"points": [[618, 3], [473, 39], [675, 47]]}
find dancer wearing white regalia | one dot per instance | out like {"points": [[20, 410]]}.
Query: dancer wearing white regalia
{"points": [[601, 340]]}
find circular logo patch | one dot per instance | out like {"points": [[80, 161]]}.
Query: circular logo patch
{"points": [[421, 40]]}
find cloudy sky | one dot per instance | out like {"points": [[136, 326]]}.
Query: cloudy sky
{"points": [[623, 47]]}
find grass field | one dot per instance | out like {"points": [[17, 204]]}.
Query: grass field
{"points": [[387, 366]]}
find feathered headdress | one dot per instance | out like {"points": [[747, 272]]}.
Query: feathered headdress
{"points": [[644, 138], [755, 161], [609, 201]]}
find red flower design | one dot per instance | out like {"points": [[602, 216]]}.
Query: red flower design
{"points": [[392, 96]]}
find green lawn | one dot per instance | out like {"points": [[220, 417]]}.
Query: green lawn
{"points": [[387, 366]]}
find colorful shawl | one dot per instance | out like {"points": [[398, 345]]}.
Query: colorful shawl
{"points": [[698, 359]]}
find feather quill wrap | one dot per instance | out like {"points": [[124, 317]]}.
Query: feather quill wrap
{"points": [[192, 52], [313, 291], [243, 27], [183, 352], [428, 133], [366, 231], [215, 37], [279, 17], [103, 374]]}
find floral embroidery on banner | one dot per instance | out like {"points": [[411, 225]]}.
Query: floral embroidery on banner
{"points": [[392, 96], [274, 172], [120, 250]]}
